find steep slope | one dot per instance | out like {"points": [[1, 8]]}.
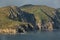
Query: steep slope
{"points": [[57, 18], [4, 20], [29, 18], [44, 15], [11, 17]]}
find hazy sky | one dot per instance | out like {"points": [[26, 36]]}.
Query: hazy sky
{"points": [[52, 3]]}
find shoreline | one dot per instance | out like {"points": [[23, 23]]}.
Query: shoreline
{"points": [[13, 31]]}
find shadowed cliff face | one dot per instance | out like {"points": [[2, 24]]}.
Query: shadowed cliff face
{"points": [[17, 14], [30, 18], [57, 19], [21, 16], [49, 17], [48, 23]]}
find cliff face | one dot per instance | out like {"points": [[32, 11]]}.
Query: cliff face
{"points": [[29, 18], [47, 18], [44, 15]]}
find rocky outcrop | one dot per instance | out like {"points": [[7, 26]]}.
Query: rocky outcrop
{"points": [[25, 28], [46, 26], [37, 17], [8, 31], [17, 14], [22, 16], [19, 29]]}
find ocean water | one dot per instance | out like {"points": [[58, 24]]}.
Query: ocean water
{"points": [[32, 36]]}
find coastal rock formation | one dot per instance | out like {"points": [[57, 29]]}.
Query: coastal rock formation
{"points": [[8, 31], [29, 18]]}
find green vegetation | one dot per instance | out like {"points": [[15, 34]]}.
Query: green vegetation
{"points": [[5, 22], [40, 12], [37, 11]]}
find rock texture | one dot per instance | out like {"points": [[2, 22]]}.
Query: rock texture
{"points": [[29, 18]]}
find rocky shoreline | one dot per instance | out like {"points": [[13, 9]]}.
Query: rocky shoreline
{"points": [[29, 18], [7, 31]]}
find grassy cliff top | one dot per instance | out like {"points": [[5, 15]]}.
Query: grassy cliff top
{"points": [[39, 12]]}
